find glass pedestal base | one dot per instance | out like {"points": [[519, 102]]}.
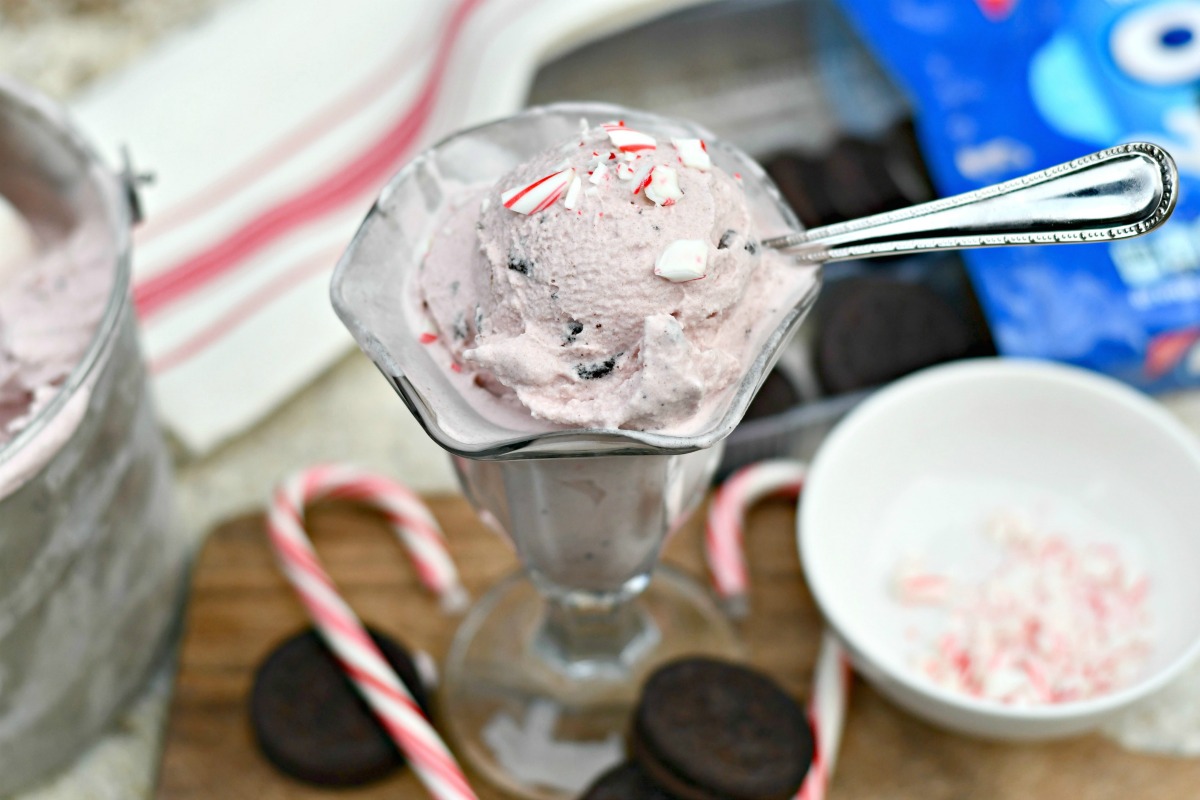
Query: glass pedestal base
{"points": [[541, 727]]}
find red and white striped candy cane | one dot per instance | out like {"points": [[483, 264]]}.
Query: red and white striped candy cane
{"points": [[827, 715], [723, 542], [341, 628], [409, 517], [723, 546]]}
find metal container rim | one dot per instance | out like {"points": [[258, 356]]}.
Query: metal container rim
{"points": [[19, 99]]}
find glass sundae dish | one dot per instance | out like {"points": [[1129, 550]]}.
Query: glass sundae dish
{"points": [[545, 669], [580, 314]]}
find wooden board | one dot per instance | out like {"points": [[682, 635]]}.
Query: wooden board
{"points": [[241, 606]]}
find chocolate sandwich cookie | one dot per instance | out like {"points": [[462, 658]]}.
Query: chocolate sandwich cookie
{"points": [[801, 181], [776, 395], [712, 730], [312, 724], [852, 178], [870, 331], [626, 781], [859, 184]]}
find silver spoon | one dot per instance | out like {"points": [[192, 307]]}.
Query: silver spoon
{"points": [[1117, 193]]}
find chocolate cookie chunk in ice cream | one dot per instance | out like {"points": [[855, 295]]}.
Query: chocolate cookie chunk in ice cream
{"points": [[615, 281]]}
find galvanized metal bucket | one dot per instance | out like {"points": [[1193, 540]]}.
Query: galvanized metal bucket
{"points": [[91, 577]]}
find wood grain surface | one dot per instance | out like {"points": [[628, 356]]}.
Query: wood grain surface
{"points": [[241, 607]]}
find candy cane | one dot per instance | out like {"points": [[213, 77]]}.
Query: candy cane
{"points": [[726, 515], [409, 518], [341, 628], [826, 714], [723, 541]]}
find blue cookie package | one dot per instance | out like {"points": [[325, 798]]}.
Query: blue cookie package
{"points": [[1004, 87]]}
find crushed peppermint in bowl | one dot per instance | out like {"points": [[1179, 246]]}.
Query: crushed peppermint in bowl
{"points": [[1054, 619], [1008, 548]]}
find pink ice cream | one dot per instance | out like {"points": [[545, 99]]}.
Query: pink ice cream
{"points": [[51, 300], [613, 282]]}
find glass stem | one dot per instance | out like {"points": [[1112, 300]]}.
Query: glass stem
{"points": [[594, 635], [588, 531]]}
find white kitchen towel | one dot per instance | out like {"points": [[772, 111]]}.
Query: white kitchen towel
{"points": [[270, 129]]}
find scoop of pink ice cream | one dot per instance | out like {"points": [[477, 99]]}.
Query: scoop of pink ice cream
{"points": [[51, 302], [623, 301]]}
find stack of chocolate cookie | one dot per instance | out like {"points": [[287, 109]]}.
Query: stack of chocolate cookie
{"points": [[711, 730], [853, 178], [872, 330], [893, 317]]}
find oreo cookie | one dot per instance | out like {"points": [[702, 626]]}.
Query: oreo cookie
{"points": [[310, 722], [776, 395], [802, 183], [712, 730], [870, 331], [859, 184], [626, 781]]}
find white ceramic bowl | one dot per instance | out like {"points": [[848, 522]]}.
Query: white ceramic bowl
{"points": [[922, 464]]}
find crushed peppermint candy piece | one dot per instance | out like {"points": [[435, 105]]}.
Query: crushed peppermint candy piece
{"points": [[914, 585], [628, 140], [641, 172], [692, 153], [1055, 622], [625, 171], [683, 260], [662, 186], [572, 198], [598, 174], [539, 195], [428, 333], [643, 181]]}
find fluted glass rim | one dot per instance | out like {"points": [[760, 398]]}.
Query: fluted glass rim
{"points": [[510, 444]]}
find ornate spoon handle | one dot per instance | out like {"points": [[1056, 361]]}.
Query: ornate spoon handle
{"points": [[1117, 193]]}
